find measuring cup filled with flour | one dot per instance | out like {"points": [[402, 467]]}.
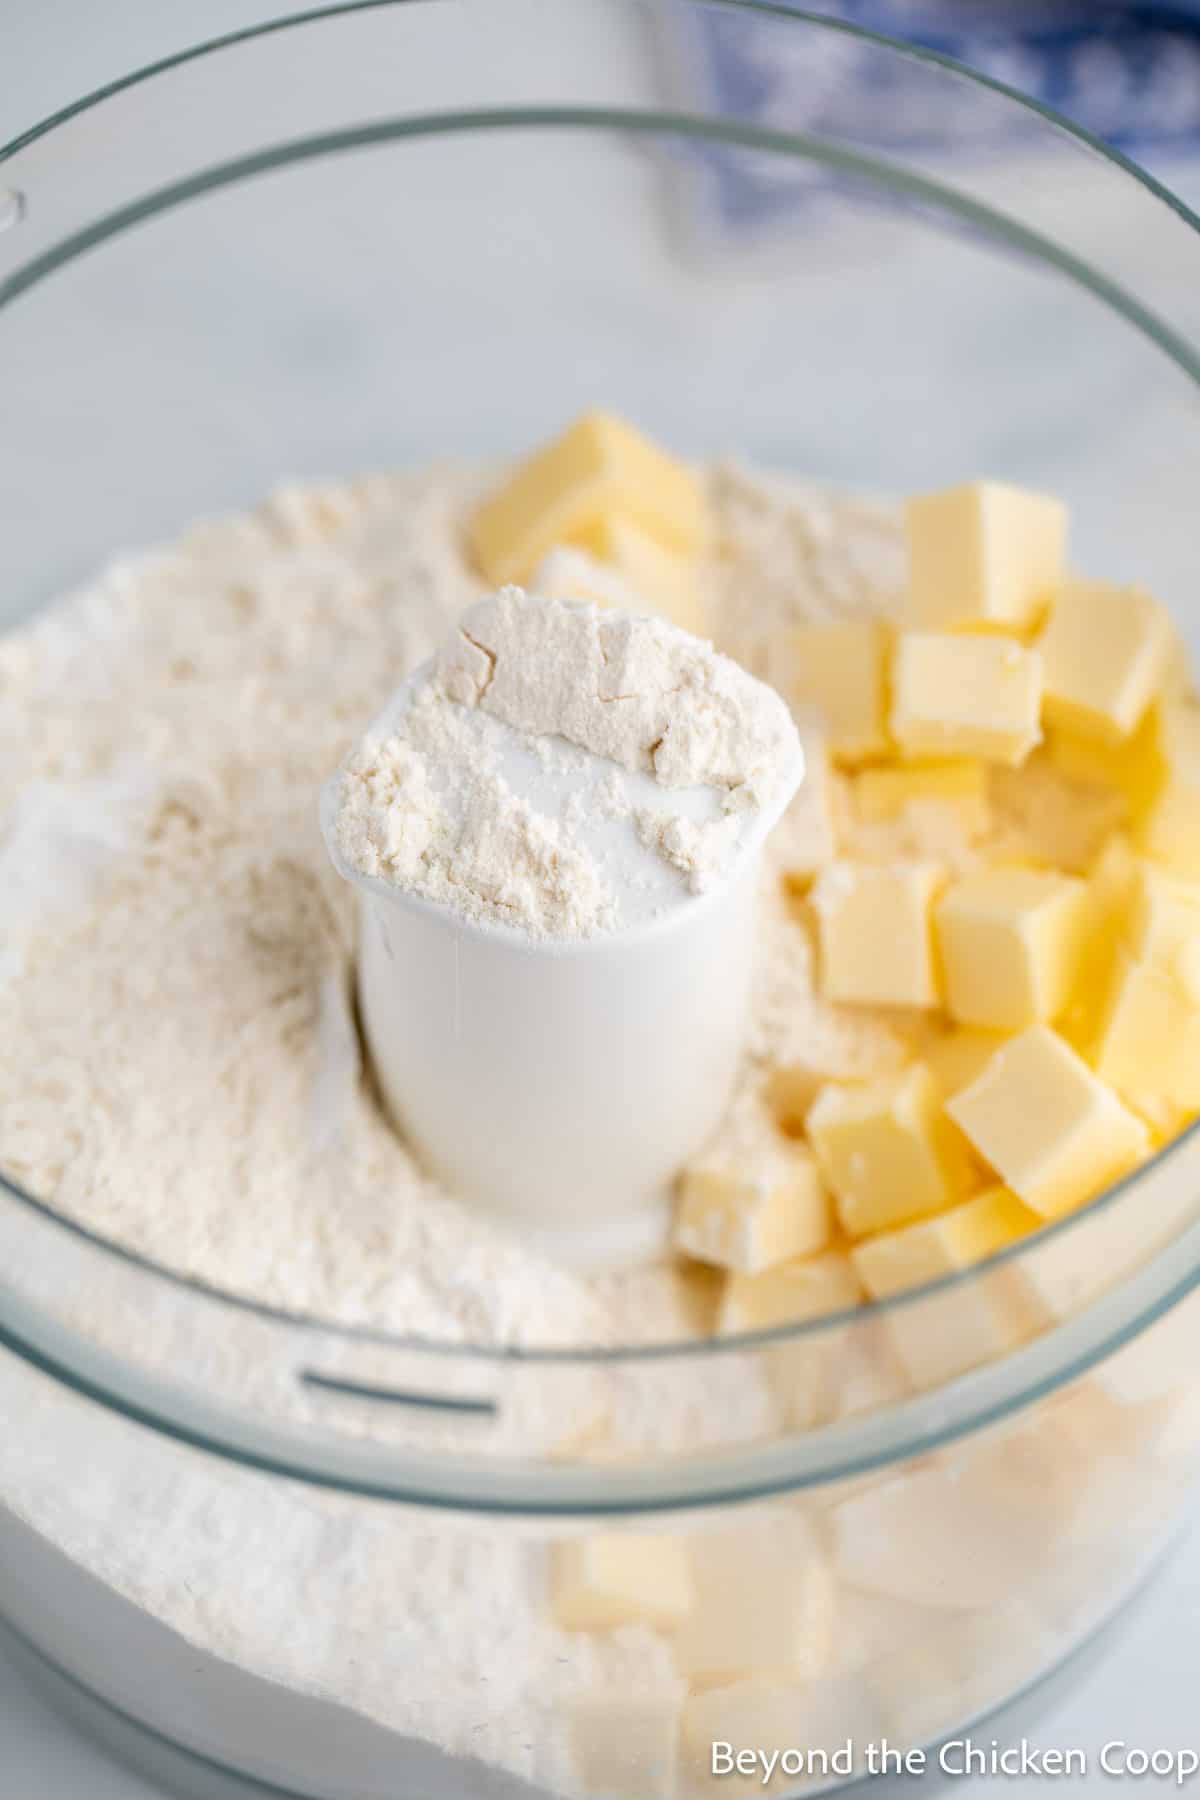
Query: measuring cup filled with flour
{"points": [[555, 825]]}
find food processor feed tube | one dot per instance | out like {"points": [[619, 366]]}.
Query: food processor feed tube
{"points": [[558, 1069]]}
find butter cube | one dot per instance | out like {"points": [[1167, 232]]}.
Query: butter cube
{"points": [[626, 1748], [839, 673], [965, 696], [791, 1088], [813, 1287], [963, 1235], [961, 1328], [663, 579], [1105, 652], [764, 1604], [1114, 875], [983, 556], [957, 1058], [619, 1578], [1135, 767], [957, 1328], [875, 933], [626, 568], [1172, 830], [1111, 888], [1149, 1031], [1063, 1272], [567, 493], [751, 1203], [1012, 943], [1164, 918], [886, 1151], [958, 786], [1053, 1132]]}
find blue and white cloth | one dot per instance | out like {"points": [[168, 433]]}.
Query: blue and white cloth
{"points": [[1127, 70]]}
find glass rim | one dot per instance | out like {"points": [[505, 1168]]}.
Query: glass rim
{"points": [[777, 9], [645, 121]]}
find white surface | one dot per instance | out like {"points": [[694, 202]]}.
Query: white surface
{"points": [[1145, 1693]]}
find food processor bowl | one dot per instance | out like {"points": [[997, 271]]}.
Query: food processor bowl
{"points": [[389, 233]]}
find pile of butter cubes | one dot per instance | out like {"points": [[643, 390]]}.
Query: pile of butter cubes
{"points": [[1060, 1006]]}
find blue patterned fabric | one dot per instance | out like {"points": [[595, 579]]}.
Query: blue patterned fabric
{"points": [[1127, 71]]}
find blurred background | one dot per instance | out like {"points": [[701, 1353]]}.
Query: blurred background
{"points": [[1127, 70]]}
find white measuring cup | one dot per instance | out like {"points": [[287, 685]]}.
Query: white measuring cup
{"points": [[560, 1084]]}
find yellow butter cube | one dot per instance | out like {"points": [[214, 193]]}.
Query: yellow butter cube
{"points": [[626, 568], [567, 493], [1172, 830], [663, 579], [930, 1248], [954, 1329], [1164, 918], [958, 786], [814, 1287], [962, 1327], [887, 1151], [957, 1058], [764, 1604], [1105, 651], [748, 1205], [1011, 943], [626, 1747], [838, 673], [598, 1583], [1111, 886], [1148, 1037], [1064, 1272], [965, 696], [983, 556], [1050, 1128], [1136, 767], [1114, 873], [875, 933]]}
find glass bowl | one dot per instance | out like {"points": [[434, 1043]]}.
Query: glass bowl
{"points": [[390, 232]]}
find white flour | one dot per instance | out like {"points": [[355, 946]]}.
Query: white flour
{"points": [[194, 1093], [179, 1071], [425, 804]]}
